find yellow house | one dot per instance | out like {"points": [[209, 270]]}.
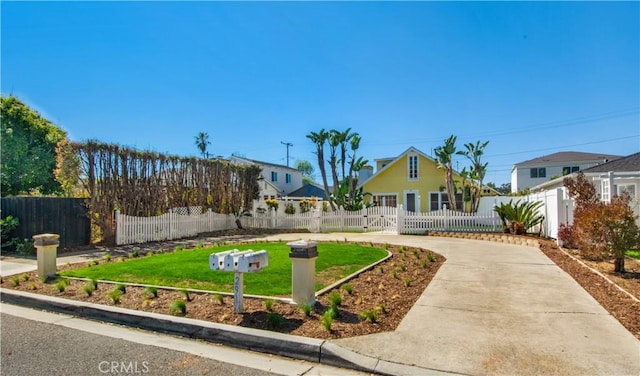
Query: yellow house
{"points": [[411, 180]]}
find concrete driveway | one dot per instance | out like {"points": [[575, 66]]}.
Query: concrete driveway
{"points": [[497, 308]]}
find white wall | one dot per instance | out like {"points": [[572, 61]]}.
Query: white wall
{"points": [[521, 177]]}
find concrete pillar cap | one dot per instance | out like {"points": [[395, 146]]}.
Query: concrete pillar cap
{"points": [[46, 239], [302, 244]]}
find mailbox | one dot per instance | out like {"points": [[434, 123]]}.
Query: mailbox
{"points": [[231, 260], [253, 262], [216, 260]]}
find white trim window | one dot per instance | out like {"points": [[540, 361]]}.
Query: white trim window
{"points": [[438, 199], [604, 190], [412, 166], [630, 188], [386, 199]]}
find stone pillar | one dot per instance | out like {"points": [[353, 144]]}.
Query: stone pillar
{"points": [[47, 249], [303, 274]]}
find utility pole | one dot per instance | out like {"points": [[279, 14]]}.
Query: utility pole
{"points": [[287, 144]]}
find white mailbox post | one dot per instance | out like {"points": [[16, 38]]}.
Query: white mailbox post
{"points": [[239, 262]]}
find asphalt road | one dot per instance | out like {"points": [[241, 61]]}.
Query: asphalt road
{"points": [[37, 343], [36, 348]]}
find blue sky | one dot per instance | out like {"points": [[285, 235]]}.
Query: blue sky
{"points": [[532, 78]]}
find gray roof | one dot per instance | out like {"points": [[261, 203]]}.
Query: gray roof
{"points": [[625, 164], [309, 190], [568, 156]]}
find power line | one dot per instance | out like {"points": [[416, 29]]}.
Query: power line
{"points": [[564, 146]]}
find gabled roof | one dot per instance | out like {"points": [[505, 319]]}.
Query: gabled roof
{"points": [[309, 190], [253, 161], [567, 156], [625, 164], [396, 159]]}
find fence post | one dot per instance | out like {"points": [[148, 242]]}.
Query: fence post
{"points": [[365, 220], [400, 219], [118, 228], [171, 225], [445, 212], [273, 218]]}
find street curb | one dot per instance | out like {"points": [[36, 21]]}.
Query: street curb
{"points": [[297, 347]]}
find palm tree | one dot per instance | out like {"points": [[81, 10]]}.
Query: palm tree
{"points": [[474, 154], [202, 141], [444, 159], [320, 139]]}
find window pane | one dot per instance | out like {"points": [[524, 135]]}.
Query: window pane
{"points": [[566, 171], [542, 172], [433, 201], [534, 172], [575, 168]]}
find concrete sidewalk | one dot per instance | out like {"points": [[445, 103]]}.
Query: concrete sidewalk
{"points": [[491, 309]]}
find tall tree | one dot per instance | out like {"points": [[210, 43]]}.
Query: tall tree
{"points": [[444, 159], [320, 139], [202, 142], [478, 171], [28, 143], [306, 168]]}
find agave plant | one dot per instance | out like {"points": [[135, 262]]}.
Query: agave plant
{"points": [[517, 218]]}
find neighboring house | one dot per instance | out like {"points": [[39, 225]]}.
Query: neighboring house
{"points": [[536, 171], [309, 190], [267, 191], [617, 176], [411, 180], [488, 191], [285, 179]]}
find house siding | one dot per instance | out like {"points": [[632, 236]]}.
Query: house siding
{"points": [[521, 175], [395, 180]]}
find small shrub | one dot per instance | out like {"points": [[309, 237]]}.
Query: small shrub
{"points": [[403, 249], [32, 286], [25, 247], [381, 269], [199, 245], [387, 246], [178, 307], [151, 253], [178, 248], [334, 312], [135, 253], [403, 267], [395, 274], [115, 295], [151, 291], [107, 256], [219, 298], [268, 304], [431, 257], [416, 254], [61, 285], [274, 320], [88, 288], [326, 321], [24, 277], [185, 292], [424, 264], [94, 283], [381, 308], [95, 262], [407, 282], [335, 298], [121, 258], [306, 309], [120, 287], [15, 280], [360, 300], [44, 279], [348, 288], [370, 315]]}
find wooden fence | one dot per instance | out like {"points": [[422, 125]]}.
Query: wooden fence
{"points": [[67, 217]]}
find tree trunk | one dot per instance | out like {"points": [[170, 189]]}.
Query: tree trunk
{"points": [[238, 223], [619, 265]]}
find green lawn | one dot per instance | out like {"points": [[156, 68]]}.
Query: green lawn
{"points": [[190, 268], [633, 254]]}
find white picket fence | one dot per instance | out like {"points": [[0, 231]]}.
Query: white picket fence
{"points": [[169, 226], [172, 225]]}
